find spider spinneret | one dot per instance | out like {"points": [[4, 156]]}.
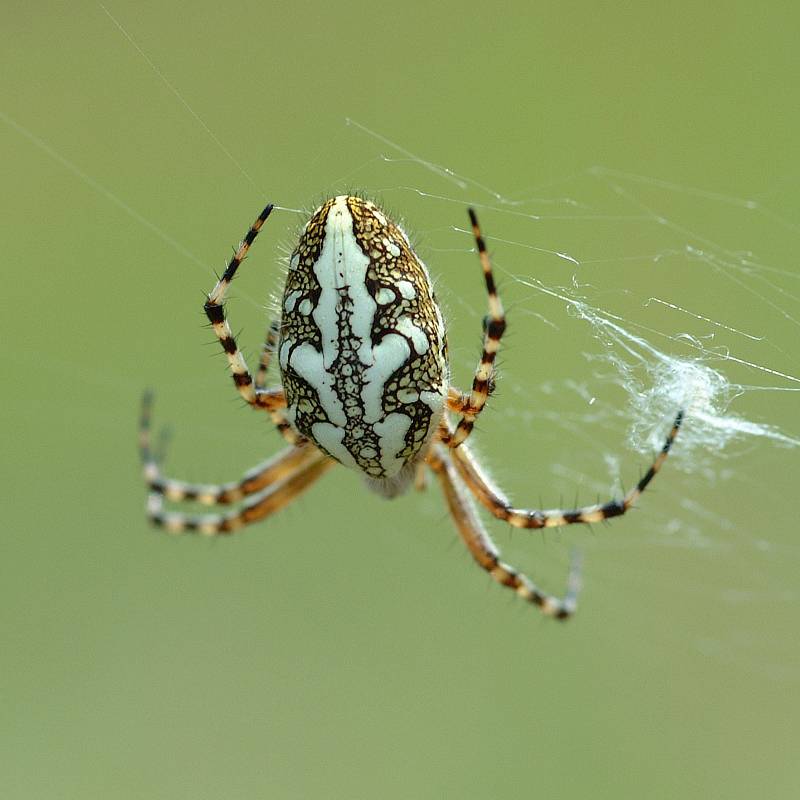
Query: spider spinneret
{"points": [[362, 352]]}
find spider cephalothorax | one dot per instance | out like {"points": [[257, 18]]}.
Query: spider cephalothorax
{"points": [[365, 382]]}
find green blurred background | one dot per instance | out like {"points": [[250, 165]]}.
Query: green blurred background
{"points": [[348, 648]]}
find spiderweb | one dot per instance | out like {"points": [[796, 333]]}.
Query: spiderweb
{"points": [[663, 354]]}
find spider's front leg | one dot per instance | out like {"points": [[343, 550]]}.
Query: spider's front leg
{"points": [[214, 308], [470, 405], [252, 392]]}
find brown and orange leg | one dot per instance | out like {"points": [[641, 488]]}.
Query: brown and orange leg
{"points": [[265, 474], [498, 505], [254, 508], [483, 549]]}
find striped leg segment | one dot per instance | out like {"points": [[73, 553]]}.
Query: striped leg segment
{"points": [[459, 403], [276, 414], [269, 472], [216, 315], [256, 507], [285, 429], [470, 406], [270, 343], [485, 552], [496, 503]]}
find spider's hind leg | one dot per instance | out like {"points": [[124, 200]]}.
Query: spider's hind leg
{"points": [[262, 504], [485, 552], [269, 472], [491, 498]]}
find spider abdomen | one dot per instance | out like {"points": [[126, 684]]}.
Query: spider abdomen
{"points": [[362, 350]]}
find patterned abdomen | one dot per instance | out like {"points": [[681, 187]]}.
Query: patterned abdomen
{"points": [[362, 345]]}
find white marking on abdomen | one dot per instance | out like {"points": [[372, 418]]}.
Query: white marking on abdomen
{"points": [[384, 295], [306, 361], [407, 289], [418, 338], [389, 355], [434, 400], [342, 264], [330, 437], [391, 433], [283, 353], [408, 396], [291, 299]]}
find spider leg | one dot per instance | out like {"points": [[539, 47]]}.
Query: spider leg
{"points": [[276, 415], [216, 316], [485, 552], [496, 503], [470, 406], [256, 507], [267, 351], [268, 472], [459, 403], [254, 393]]}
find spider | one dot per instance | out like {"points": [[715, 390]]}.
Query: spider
{"points": [[362, 352]]}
